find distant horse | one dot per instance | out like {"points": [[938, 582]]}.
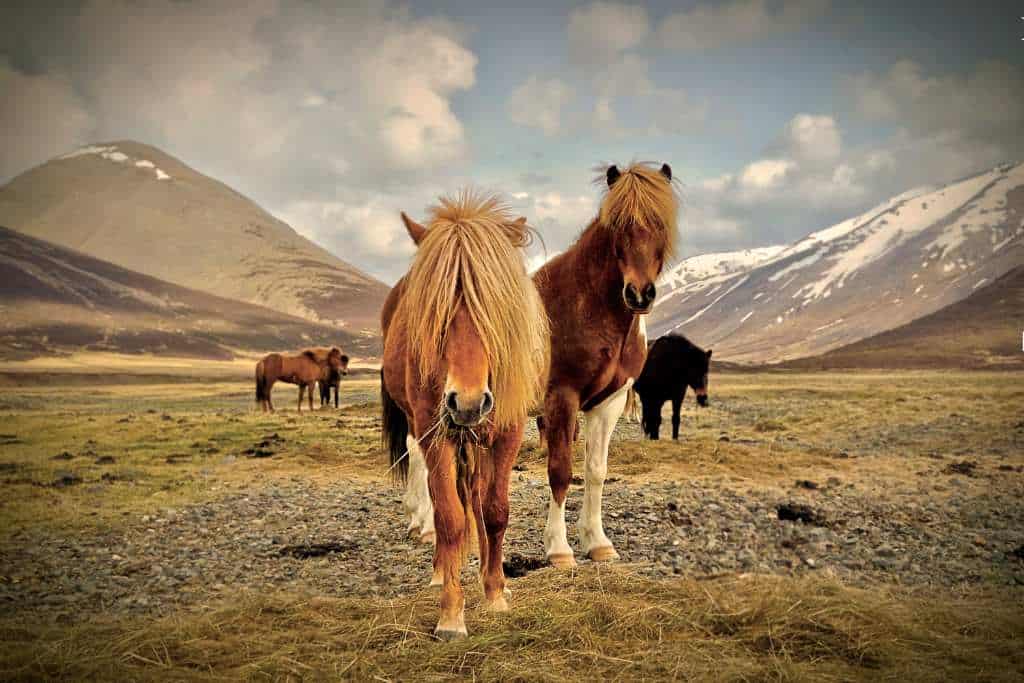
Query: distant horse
{"points": [[596, 294], [465, 356], [331, 379], [305, 369], [673, 363]]}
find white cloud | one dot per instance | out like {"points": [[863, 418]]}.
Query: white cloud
{"points": [[735, 23], [538, 103], [813, 138], [600, 31], [296, 104], [766, 173]]}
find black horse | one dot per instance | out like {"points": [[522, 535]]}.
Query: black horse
{"points": [[325, 391], [673, 363]]}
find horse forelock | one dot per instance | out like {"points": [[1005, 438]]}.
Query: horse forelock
{"points": [[642, 197], [471, 257]]}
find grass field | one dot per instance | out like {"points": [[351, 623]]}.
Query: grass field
{"points": [[939, 452]]}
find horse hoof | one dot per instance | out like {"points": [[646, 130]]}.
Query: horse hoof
{"points": [[437, 579], [499, 604], [603, 554], [428, 537], [447, 634], [562, 560]]}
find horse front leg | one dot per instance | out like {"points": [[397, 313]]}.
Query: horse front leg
{"points": [[559, 425], [309, 393], [302, 388], [495, 516], [600, 423], [449, 552]]}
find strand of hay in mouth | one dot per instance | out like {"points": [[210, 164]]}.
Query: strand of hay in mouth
{"points": [[598, 623]]}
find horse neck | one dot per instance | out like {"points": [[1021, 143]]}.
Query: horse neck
{"points": [[600, 277]]}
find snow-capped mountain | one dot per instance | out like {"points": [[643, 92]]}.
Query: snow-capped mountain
{"points": [[908, 257], [705, 266]]}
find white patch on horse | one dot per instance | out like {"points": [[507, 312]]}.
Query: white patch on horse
{"points": [[418, 505], [555, 540], [643, 329], [600, 423]]}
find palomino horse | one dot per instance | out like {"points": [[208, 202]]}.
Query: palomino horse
{"points": [[596, 294], [465, 356], [305, 369]]}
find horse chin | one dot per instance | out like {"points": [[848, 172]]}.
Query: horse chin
{"points": [[637, 310]]}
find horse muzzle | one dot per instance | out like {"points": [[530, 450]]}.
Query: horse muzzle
{"points": [[467, 413], [702, 400], [637, 300]]}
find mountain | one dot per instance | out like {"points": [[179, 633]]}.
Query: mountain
{"points": [[982, 331], [698, 271], [904, 259], [56, 300], [140, 208]]}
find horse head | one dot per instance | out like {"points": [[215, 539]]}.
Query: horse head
{"points": [[640, 210], [463, 314], [699, 378]]}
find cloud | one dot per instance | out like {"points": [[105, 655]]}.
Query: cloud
{"points": [[301, 105], [29, 134], [600, 31], [946, 126], [538, 103], [813, 138], [735, 23]]}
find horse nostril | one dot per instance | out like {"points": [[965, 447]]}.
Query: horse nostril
{"points": [[451, 401], [487, 404], [650, 292]]}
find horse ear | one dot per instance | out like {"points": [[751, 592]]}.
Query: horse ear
{"points": [[612, 175], [416, 231], [666, 171], [709, 353]]}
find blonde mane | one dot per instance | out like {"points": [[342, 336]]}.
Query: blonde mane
{"points": [[644, 197], [471, 256]]}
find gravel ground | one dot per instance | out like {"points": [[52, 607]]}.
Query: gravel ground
{"points": [[349, 539]]}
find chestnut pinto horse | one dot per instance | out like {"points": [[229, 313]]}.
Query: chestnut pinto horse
{"points": [[596, 294], [305, 369], [465, 357]]}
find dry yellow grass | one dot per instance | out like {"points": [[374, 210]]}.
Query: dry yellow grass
{"points": [[600, 623]]}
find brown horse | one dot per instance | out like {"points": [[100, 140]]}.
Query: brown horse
{"points": [[596, 294], [465, 356], [330, 378], [305, 369]]}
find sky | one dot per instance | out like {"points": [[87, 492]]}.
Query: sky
{"points": [[778, 117]]}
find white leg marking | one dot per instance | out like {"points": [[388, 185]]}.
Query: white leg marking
{"points": [[417, 495], [600, 423], [555, 540]]}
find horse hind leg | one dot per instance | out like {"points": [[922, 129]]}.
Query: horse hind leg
{"points": [[600, 423], [417, 495]]}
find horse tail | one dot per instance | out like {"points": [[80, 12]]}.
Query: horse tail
{"points": [[394, 431], [261, 390]]}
